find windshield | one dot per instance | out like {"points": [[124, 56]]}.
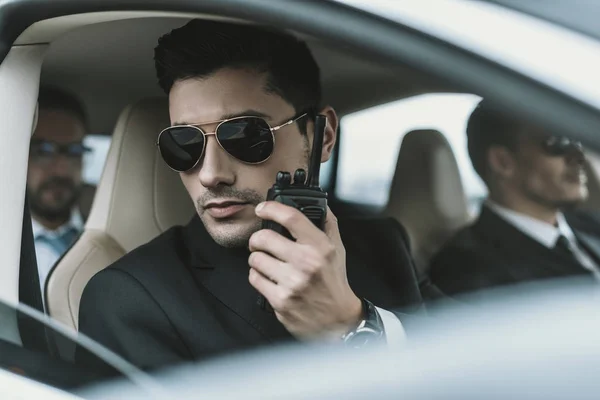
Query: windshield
{"points": [[43, 352]]}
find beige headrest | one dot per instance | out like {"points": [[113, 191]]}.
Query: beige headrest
{"points": [[138, 196], [427, 194]]}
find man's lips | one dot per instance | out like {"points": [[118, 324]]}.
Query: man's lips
{"points": [[576, 177], [224, 209]]}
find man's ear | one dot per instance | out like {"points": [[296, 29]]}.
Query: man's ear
{"points": [[330, 135], [501, 161]]}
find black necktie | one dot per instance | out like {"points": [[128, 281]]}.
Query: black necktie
{"points": [[565, 247]]}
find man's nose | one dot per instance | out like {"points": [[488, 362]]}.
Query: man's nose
{"points": [[216, 165], [576, 155], [61, 165]]}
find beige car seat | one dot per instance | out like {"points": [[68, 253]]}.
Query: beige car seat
{"points": [[138, 197], [427, 194]]}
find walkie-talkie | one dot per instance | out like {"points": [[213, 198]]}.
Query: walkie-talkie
{"points": [[303, 193]]}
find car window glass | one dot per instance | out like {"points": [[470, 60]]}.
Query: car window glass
{"points": [[44, 353], [93, 162], [371, 138]]}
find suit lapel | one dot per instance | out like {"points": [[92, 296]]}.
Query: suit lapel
{"points": [[533, 256], [228, 281]]}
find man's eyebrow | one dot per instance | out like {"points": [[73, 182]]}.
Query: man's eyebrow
{"points": [[245, 113]]}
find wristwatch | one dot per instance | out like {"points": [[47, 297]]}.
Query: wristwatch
{"points": [[368, 331]]}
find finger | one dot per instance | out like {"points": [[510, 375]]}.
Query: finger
{"points": [[265, 286], [292, 219], [269, 266], [280, 298], [273, 243], [331, 226]]}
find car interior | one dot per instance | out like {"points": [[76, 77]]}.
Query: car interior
{"points": [[109, 66], [107, 61], [138, 197]]}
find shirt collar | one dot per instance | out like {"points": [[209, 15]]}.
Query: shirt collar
{"points": [[543, 232], [76, 221]]}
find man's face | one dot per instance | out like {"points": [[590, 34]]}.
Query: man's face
{"points": [[552, 180], [54, 180], [224, 189]]}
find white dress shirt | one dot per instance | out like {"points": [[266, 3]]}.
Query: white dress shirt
{"points": [[45, 254], [545, 233], [394, 331]]}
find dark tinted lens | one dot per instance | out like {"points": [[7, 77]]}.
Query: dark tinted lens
{"points": [[559, 146], [41, 151], [247, 139], [181, 147], [43, 148]]}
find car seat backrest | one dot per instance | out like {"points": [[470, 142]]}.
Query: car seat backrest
{"points": [[138, 197], [427, 194]]}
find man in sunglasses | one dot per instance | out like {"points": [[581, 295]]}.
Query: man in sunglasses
{"points": [[54, 176], [528, 228], [242, 102]]}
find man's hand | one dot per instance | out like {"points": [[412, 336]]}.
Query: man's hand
{"points": [[304, 281]]}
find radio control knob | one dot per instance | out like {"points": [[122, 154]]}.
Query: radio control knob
{"points": [[300, 177], [283, 178]]}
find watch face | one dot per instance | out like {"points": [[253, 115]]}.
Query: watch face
{"points": [[363, 337], [369, 331], [360, 339]]}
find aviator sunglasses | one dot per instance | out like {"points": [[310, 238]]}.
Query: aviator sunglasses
{"points": [[561, 146], [249, 139], [44, 150]]}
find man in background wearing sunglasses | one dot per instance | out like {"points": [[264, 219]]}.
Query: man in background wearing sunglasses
{"points": [[54, 176], [528, 228], [242, 103]]}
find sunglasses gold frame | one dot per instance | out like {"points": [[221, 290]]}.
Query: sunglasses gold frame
{"points": [[273, 129], [550, 147]]}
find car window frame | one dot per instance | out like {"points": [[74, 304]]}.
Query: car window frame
{"points": [[136, 376]]}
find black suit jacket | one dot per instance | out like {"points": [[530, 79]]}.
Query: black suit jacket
{"points": [[182, 297], [492, 252]]}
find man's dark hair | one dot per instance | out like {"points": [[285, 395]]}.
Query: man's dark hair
{"points": [[201, 47], [489, 127], [52, 98]]}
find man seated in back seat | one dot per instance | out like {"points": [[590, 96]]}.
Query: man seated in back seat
{"points": [[54, 176], [528, 228], [242, 103]]}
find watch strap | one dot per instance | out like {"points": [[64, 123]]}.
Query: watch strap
{"points": [[369, 330]]}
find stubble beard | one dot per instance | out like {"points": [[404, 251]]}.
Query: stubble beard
{"points": [[238, 236]]}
